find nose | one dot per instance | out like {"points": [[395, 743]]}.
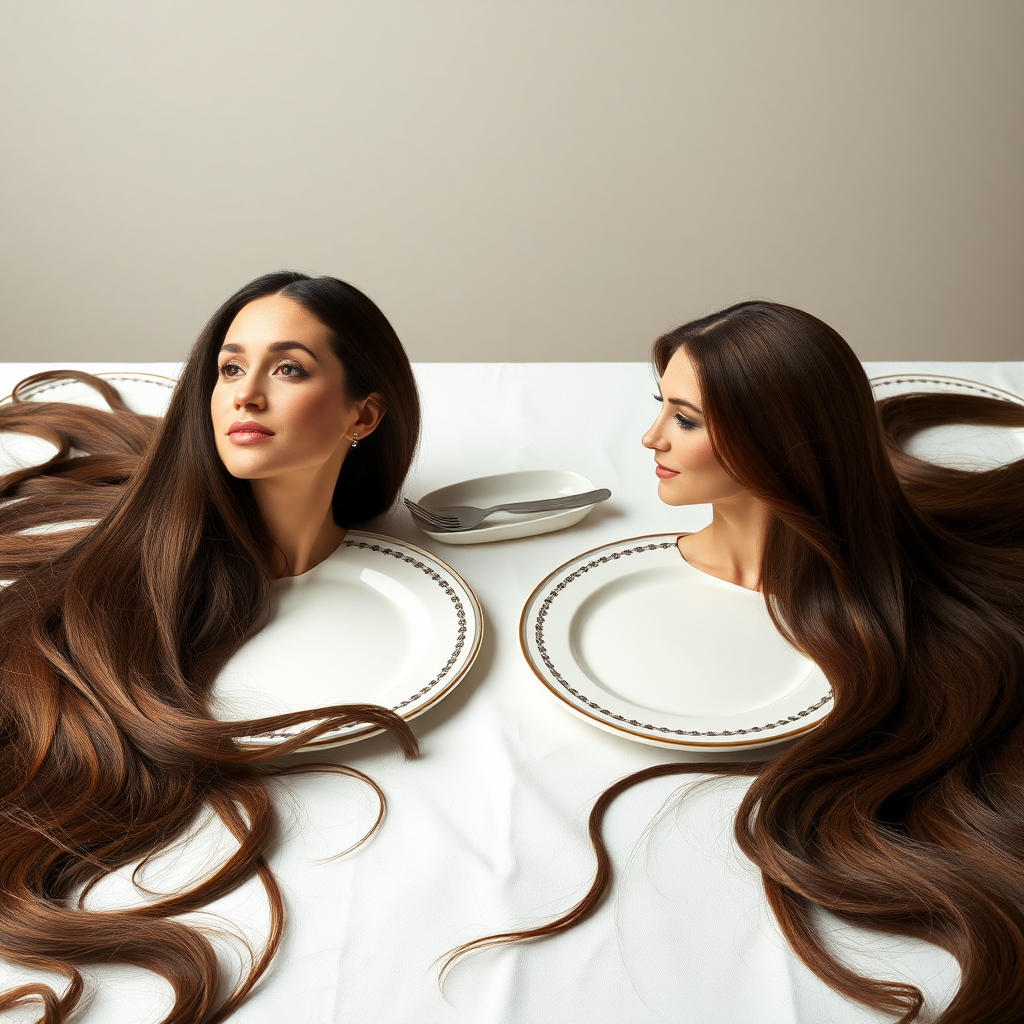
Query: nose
{"points": [[249, 394], [654, 439]]}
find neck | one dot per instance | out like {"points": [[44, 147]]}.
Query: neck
{"points": [[730, 546], [296, 510]]}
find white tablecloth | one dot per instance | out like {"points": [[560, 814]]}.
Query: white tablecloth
{"points": [[486, 831]]}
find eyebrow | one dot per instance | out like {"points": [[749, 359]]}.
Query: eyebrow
{"points": [[682, 402], [277, 346]]}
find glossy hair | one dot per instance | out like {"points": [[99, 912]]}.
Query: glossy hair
{"points": [[904, 810], [111, 636]]}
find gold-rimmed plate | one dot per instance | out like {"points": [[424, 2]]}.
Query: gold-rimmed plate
{"points": [[380, 621], [145, 393], [636, 641]]}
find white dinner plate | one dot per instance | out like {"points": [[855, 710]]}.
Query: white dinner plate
{"points": [[380, 621], [958, 445], [525, 485], [637, 641]]}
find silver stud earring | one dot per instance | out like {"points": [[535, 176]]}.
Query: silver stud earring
{"points": [[355, 441]]}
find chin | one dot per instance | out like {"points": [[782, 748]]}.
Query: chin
{"points": [[242, 472], [666, 495]]}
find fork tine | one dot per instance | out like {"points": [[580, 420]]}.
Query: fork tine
{"points": [[420, 511], [430, 517], [447, 527]]}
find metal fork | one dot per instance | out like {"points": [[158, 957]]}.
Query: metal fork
{"points": [[452, 518]]}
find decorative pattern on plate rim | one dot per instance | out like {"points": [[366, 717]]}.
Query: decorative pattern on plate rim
{"points": [[460, 642], [546, 658], [108, 375], [990, 391]]}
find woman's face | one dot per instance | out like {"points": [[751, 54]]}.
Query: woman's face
{"points": [[688, 471], [279, 404]]}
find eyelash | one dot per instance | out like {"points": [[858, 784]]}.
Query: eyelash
{"points": [[300, 372], [684, 423]]}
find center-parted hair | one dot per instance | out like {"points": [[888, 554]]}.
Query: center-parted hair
{"points": [[112, 633], [904, 581]]}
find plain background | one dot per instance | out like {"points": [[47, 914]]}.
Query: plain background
{"points": [[517, 180]]}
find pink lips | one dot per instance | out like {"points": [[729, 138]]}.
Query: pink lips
{"points": [[248, 432], [663, 473]]}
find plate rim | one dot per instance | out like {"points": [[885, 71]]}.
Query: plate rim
{"points": [[365, 732], [727, 743], [140, 375], [943, 378]]}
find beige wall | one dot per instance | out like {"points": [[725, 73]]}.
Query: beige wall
{"points": [[526, 180]]}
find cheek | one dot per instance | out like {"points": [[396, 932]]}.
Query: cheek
{"points": [[319, 407], [220, 404], [313, 418], [697, 456]]}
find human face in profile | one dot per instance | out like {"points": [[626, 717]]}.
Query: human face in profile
{"points": [[687, 469], [279, 407]]}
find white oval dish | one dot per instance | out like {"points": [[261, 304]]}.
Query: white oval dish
{"points": [[524, 485], [146, 393]]}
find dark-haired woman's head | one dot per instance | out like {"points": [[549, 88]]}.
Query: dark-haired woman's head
{"points": [[287, 374], [785, 405]]}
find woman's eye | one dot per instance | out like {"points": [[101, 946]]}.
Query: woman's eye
{"points": [[229, 370], [684, 422], [291, 370]]}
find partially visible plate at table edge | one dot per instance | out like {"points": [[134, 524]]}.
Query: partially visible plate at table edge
{"points": [[967, 446], [379, 621]]}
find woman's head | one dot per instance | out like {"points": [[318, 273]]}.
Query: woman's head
{"points": [[786, 415], [309, 364], [687, 468]]}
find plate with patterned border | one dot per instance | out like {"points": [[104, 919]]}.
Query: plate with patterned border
{"points": [[380, 621], [637, 641], [967, 446]]}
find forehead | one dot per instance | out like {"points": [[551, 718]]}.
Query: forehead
{"points": [[680, 379], [276, 318]]}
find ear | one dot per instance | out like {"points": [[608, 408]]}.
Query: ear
{"points": [[371, 412]]}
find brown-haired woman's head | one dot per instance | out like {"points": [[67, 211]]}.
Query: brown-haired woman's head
{"points": [[309, 365], [780, 403]]}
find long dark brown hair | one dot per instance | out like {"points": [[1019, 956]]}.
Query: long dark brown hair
{"points": [[904, 810], [111, 635]]}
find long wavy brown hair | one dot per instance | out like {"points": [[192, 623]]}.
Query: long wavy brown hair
{"points": [[904, 810], [111, 635]]}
